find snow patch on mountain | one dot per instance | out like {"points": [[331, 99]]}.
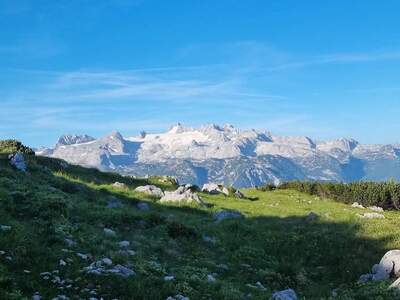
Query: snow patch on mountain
{"points": [[212, 153]]}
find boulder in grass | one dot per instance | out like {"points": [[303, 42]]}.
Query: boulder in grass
{"points": [[312, 216], [119, 185], [114, 202], [142, 206], [372, 216], [182, 195], [288, 294], [212, 188], [17, 160], [357, 205], [228, 214], [388, 267], [376, 208], [151, 190]]}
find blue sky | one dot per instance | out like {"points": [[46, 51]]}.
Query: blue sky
{"points": [[317, 68]]}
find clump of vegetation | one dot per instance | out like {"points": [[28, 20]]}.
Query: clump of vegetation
{"points": [[12, 146], [383, 194], [267, 187]]}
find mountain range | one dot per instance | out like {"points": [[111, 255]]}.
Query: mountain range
{"points": [[242, 158]]}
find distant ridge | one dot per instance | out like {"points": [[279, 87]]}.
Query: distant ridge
{"points": [[224, 154]]}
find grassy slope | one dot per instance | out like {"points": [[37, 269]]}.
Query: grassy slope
{"points": [[274, 245]]}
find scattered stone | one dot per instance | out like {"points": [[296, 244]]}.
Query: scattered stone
{"points": [[5, 228], [285, 295], [122, 271], [120, 185], [102, 267], [212, 188], [312, 217], [376, 208], [225, 191], [209, 239], [239, 194], [365, 278], [211, 278], [106, 261], [257, 286], [151, 190], [395, 284], [228, 214], [169, 278], [178, 297], [182, 195], [82, 256], [62, 263], [114, 202], [371, 216], [18, 161], [69, 242], [388, 267], [143, 206], [109, 232], [124, 244], [357, 205]]}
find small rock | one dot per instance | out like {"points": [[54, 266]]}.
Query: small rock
{"points": [[225, 191], [5, 228], [69, 242], [181, 195], [376, 208], [312, 217], [83, 256], [239, 194], [114, 202], [357, 205], [285, 295], [365, 278], [371, 216], [211, 278], [18, 161], [62, 263], [169, 278], [209, 239], [119, 185], [143, 206], [109, 232], [106, 261], [122, 271], [212, 188], [36, 296], [151, 190], [124, 244], [178, 297], [228, 214]]}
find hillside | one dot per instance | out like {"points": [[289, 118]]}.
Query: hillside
{"points": [[243, 158], [58, 219]]}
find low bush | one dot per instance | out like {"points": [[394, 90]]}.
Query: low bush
{"points": [[12, 146], [383, 194]]}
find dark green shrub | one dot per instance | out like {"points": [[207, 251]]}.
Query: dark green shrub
{"points": [[178, 230], [12, 146], [383, 194]]}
